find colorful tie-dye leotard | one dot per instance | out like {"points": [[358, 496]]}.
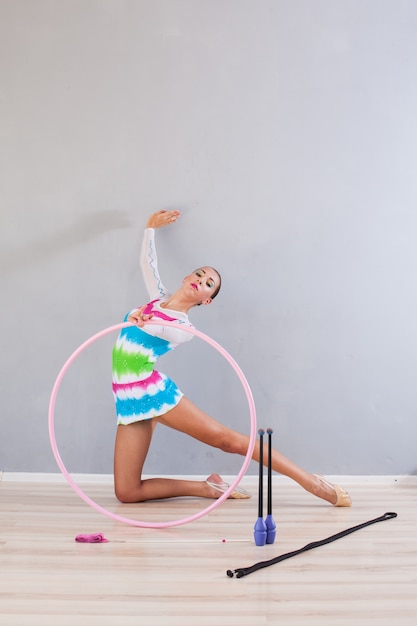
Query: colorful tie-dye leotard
{"points": [[140, 391]]}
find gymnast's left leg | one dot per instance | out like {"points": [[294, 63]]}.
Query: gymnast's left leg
{"points": [[186, 417], [131, 448]]}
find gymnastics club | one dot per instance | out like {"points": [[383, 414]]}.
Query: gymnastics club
{"points": [[259, 531], [271, 527]]}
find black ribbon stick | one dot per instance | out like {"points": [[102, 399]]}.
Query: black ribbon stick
{"points": [[245, 571]]}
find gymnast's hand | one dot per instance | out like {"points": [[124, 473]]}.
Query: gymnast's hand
{"points": [[138, 317], [162, 218]]}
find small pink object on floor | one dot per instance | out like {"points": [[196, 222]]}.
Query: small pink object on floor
{"points": [[95, 538]]}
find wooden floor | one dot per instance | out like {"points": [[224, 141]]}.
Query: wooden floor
{"points": [[177, 576]]}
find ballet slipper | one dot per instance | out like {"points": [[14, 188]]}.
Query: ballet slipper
{"points": [[237, 494], [343, 498]]}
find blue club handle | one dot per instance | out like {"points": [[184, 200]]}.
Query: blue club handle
{"points": [[271, 529], [260, 532]]}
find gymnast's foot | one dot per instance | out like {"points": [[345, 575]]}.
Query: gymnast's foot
{"points": [[217, 486], [334, 494]]}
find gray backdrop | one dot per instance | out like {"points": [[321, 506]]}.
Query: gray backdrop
{"points": [[285, 131]]}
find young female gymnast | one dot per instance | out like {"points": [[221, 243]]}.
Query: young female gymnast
{"points": [[145, 397]]}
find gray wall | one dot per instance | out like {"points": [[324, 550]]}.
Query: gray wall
{"points": [[285, 131]]}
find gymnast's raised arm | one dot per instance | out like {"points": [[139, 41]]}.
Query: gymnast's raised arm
{"points": [[148, 257]]}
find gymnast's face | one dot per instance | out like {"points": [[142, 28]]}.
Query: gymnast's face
{"points": [[203, 284]]}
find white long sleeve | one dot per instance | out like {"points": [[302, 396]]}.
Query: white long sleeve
{"points": [[149, 266], [157, 291]]}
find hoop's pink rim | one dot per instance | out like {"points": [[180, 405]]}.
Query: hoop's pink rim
{"points": [[127, 520]]}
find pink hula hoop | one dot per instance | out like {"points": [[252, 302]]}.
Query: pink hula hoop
{"points": [[126, 520]]}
